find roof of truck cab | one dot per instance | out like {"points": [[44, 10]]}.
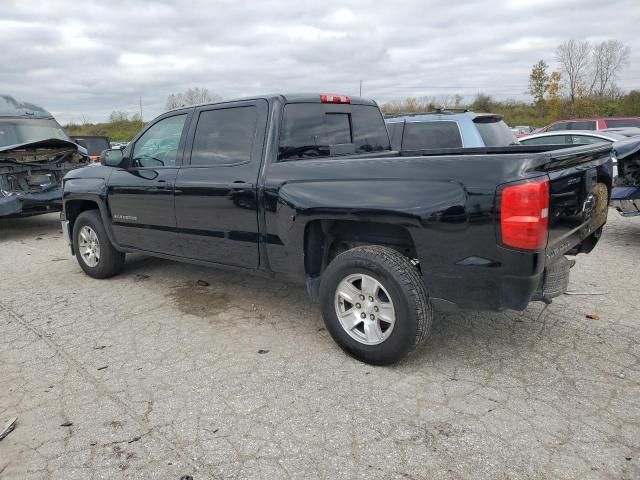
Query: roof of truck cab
{"points": [[287, 97]]}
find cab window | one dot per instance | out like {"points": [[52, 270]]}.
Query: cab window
{"points": [[224, 136], [158, 146]]}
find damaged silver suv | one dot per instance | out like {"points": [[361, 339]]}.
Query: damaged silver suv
{"points": [[35, 154]]}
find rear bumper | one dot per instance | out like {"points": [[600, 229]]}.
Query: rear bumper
{"points": [[27, 204], [496, 292], [626, 200]]}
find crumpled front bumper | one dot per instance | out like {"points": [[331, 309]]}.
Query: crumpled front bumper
{"points": [[26, 204]]}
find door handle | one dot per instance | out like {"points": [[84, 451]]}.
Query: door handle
{"points": [[240, 184]]}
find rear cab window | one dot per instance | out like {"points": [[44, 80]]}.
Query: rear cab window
{"points": [[311, 130]]}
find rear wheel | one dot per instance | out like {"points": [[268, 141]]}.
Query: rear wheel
{"points": [[374, 304], [94, 252]]}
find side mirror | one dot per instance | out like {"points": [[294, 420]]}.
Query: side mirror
{"points": [[112, 157]]}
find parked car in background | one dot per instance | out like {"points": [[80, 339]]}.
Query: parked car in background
{"points": [[95, 145], [308, 187], [119, 145], [599, 123], [577, 137], [571, 137], [35, 154], [625, 196], [445, 129], [522, 130], [627, 132]]}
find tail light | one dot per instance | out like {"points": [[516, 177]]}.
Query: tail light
{"points": [[524, 215], [330, 98]]}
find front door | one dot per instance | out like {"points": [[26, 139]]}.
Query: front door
{"points": [[140, 196], [216, 188]]}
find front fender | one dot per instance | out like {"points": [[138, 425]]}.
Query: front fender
{"points": [[91, 189]]}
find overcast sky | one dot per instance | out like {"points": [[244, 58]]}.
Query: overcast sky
{"points": [[90, 58]]}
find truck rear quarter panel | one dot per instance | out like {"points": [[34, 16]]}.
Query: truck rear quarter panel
{"points": [[446, 203]]}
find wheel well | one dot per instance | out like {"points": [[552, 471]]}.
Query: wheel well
{"points": [[324, 239], [76, 207]]}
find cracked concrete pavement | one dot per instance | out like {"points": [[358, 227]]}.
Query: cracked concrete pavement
{"points": [[160, 377]]}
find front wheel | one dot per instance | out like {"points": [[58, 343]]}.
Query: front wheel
{"points": [[374, 304], [94, 252]]}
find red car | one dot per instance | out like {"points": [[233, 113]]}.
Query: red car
{"points": [[592, 124]]}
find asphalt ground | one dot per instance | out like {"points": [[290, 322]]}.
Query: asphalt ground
{"points": [[153, 374]]}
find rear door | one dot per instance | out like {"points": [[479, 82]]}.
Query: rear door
{"points": [[216, 189], [140, 197]]}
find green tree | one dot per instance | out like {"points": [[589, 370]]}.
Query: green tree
{"points": [[191, 96], [538, 85], [630, 103], [118, 116], [482, 103], [554, 88]]}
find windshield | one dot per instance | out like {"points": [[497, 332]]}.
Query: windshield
{"points": [[494, 132], [27, 130]]}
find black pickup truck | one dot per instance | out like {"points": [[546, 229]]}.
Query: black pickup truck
{"points": [[307, 186]]}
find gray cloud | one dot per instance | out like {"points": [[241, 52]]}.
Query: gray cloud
{"points": [[90, 58]]}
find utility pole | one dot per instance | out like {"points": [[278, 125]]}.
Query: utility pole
{"points": [[140, 101], [360, 87]]}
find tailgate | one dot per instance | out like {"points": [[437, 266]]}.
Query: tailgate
{"points": [[580, 186]]}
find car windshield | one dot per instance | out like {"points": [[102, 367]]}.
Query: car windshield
{"points": [[15, 131], [494, 132]]}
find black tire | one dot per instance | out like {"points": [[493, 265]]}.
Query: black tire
{"points": [[403, 283], [111, 261]]}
